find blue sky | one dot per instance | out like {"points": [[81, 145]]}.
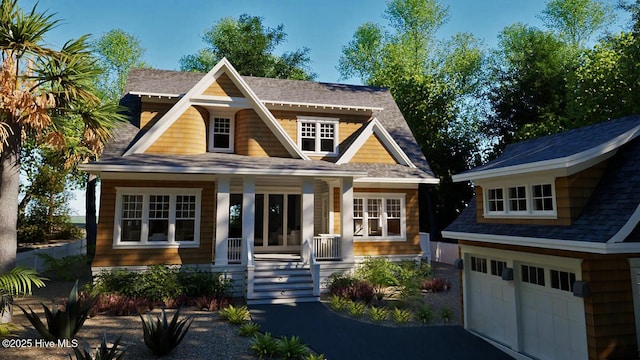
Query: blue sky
{"points": [[169, 29]]}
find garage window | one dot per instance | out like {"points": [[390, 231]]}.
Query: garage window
{"points": [[533, 275], [562, 280], [497, 267], [479, 264]]}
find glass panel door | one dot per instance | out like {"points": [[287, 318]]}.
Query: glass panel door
{"points": [[259, 221], [276, 220], [294, 219]]}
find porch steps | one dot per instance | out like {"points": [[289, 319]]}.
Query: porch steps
{"points": [[281, 283]]}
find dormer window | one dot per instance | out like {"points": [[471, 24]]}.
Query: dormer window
{"points": [[318, 136], [529, 200], [221, 134]]}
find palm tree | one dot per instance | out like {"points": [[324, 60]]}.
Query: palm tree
{"points": [[17, 282], [41, 89]]}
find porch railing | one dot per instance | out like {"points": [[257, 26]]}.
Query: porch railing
{"points": [[326, 247], [234, 250]]}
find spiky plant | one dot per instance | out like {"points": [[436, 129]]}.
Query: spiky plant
{"points": [[162, 336], [292, 348], [248, 329], [264, 345], [102, 353], [235, 315], [62, 322]]}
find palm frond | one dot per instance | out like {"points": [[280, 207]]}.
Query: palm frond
{"points": [[19, 281], [22, 33]]}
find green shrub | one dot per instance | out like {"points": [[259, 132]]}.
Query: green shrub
{"points": [[379, 271], [424, 313], [378, 314], [161, 282], [65, 322], [446, 314], [102, 353], [292, 348], [119, 281], [64, 268], [248, 329], [337, 303], [162, 336], [339, 284], [265, 345], [401, 316], [204, 283], [356, 309], [235, 315]]}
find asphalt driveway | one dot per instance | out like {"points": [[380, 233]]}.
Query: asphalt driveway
{"points": [[338, 337]]}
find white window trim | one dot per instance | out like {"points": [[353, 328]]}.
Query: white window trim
{"points": [[530, 212], [144, 243], [365, 223], [212, 116], [317, 121]]}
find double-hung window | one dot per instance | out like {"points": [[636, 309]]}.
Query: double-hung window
{"points": [[157, 217], [221, 134], [318, 135], [379, 217]]}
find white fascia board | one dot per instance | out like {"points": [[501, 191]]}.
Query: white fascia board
{"points": [[153, 94], [283, 104], [572, 163], [367, 180], [220, 101], [555, 244], [374, 127], [97, 169]]}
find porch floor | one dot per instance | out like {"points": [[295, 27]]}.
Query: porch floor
{"points": [[277, 257]]}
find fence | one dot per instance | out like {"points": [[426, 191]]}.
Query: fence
{"points": [[31, 259]]}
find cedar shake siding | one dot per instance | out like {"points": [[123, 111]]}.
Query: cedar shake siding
{"points": [[253, 137], [373, 152], [151, 112], [609, 312], [186, 136], [223, 86], [106, 256]]}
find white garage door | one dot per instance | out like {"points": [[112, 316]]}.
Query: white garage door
{"points": [[552, 320], [490, 301]]}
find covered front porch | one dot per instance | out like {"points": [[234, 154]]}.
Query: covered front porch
{"points": [[282, 215]]}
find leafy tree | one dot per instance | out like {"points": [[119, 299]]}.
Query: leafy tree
{"points": [[436, 84], [249, 45], [40, 88], [117, 52], [576, 21]]}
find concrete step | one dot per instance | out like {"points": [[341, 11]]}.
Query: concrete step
{"points": [[267, 287], [283, 300]]}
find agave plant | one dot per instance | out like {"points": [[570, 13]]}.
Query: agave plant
{"points": [[160, 335], [102, 353], [64, 322]]}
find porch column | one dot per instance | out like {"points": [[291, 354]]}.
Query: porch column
{"points": [[307, 222], [346, 219], [248, 218], [222, 219]]}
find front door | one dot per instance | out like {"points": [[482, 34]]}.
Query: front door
{"points": [[277, 222]]}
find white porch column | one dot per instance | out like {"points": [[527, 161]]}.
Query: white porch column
{"points": [[346, 219], [248, 218], [222, 219], [307, 223]]}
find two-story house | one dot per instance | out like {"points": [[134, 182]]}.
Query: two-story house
{"points": [[550, 245], [274, 183]]}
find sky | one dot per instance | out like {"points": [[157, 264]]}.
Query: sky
{"points": [[170, 29]]}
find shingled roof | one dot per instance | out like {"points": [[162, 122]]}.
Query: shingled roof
{"points": [[175, 84], [611, 207]]}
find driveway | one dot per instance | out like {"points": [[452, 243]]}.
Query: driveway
{"points": [[338, 337]]}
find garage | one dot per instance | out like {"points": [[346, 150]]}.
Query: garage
{"points": [[532, 310]]}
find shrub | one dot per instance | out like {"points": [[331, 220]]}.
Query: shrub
{"points": [[401, 315], [204, 283], [123, 282], [102, 353], [411, 275], [292, 348], [436, 285], [162, 336], [337, 303], [345, 286], [339, 284], [63, 268], [160, 282], [235, 315], [378, 314], [63, 322], [379, 271], [356, 309], [248, 329], [210, 303], [362, 290], [264, 345], [446, 314], [424, 313]]}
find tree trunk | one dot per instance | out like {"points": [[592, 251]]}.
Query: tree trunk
{"points": [[9, 187], [91, 223]]}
